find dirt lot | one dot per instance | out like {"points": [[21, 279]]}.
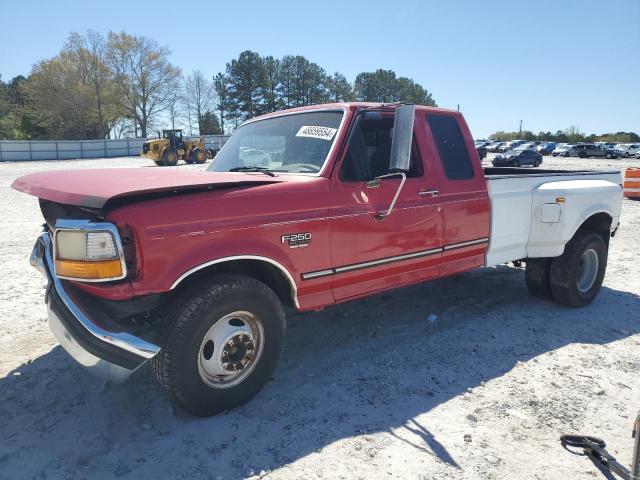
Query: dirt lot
{"points": [[368, 389]]}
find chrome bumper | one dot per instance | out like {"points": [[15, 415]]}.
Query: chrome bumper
{"points": [[84, 331]]}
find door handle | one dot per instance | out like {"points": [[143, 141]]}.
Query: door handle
{"points": [[428, 193]]}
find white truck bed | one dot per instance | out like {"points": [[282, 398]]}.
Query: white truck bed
{"points": [[534, 213]]}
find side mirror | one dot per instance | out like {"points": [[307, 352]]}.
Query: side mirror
{"points": [[402, 138]]}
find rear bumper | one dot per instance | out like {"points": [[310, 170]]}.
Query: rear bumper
{"points": [[83, 329]]}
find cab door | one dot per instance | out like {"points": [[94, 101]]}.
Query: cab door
{"points": [[463, 194], [370, 253]]}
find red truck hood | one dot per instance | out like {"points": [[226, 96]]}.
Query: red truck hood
{"points": [[94, 188]]}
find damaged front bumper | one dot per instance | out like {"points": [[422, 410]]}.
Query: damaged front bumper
{"points": [[83, 329]]}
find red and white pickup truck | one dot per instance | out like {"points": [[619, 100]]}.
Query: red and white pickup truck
{"points": [[302, 208]]}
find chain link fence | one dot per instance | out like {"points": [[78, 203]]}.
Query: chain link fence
{"points": [[24, 150]]}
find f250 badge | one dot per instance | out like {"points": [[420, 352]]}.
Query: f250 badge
{"points": [[296, 240]]}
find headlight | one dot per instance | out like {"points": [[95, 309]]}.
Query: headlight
{"points": [[88, 251]]}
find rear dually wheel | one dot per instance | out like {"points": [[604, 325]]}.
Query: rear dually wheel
{"points": [[576, 276]]}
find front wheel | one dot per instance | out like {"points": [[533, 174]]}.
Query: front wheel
{"points": [[220, 344], [576, 276], [169, 158]]}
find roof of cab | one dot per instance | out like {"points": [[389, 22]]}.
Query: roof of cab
{"points": [[345, 105]]}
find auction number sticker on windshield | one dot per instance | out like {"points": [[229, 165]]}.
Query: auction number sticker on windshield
{"points": [[312, 131]]}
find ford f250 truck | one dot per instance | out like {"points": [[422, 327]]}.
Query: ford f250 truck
{"points": [[304, 208]]}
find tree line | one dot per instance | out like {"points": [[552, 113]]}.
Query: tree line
{"points": [[569, 135], [122, 85]]}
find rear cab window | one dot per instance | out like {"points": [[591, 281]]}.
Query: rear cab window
{"points": [[451, 146]]}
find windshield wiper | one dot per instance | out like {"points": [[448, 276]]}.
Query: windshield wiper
{"points": [[264, 170]]}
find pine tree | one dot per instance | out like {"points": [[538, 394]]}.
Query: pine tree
{"points": [[339, 88], [221, 87], [269, 93], [209, 124], [246, 81]]}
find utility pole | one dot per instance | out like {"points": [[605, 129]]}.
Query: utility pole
{"points": [[458, 107], [520, 130]]}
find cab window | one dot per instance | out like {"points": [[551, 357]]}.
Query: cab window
{"points": [[451, 147], [369, 152]]}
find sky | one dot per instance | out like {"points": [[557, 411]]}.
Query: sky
{"points": [[548, 63]]}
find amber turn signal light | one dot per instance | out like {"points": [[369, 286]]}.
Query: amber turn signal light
{"points": [[101, 270]]}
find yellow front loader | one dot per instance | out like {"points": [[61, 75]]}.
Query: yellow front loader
{"points": [[171, 147]]}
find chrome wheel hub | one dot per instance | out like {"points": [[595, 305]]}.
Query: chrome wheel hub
{"points": [[230, 349], [587, 270]]}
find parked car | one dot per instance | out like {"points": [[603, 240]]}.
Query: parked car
{"points": [[586, 150], [546, 148], [618, 150], [518, 158], [562, 151], [253, 156], [510, 145], [493, 148], [482, 147], [191, 270], [630, 150], [607, 145], [575, 150]]}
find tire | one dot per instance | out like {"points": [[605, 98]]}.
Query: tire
{"points": [[169, 158], [568, 286], [181, 366], [158, 162], [608, 155], [537, 277], [198, 155]]}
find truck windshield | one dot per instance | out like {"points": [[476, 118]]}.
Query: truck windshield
{"points": [[293, 143]]}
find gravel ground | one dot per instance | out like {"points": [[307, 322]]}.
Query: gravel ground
{"points": [[367, 389]]}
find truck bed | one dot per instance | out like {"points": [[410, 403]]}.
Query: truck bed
{"points": [[518, 196], [513, 172]]}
